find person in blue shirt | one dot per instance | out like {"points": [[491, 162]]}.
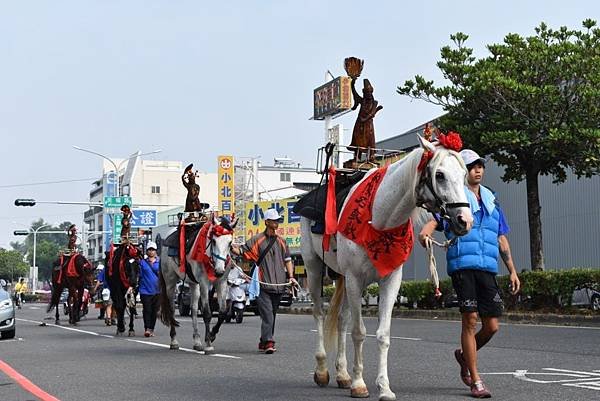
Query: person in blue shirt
{"points": [[149, 288], [106, 312], [472, 263]]}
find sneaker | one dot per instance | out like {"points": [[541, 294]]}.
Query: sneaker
{"points": [[151, 333], [478, 390], [261, 347], [147, 333], [270, 347], [464, 371]]}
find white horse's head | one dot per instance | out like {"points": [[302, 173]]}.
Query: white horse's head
{"points": [[221, 237], [441, 187]]}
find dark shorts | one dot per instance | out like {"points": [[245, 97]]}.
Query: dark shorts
{"points": [[478, 291]]}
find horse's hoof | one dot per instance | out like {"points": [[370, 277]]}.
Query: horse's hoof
{"points": [[120, 333], [387, 396], [209, 350], [174, 346], [322, 379], [344, 383], [131, 333], [57, 322], [197, 347], [359, 392]]}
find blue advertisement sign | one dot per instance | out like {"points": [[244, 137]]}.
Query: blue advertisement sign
{"points": [[143, 218]]}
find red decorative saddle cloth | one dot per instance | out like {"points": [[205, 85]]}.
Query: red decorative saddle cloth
{"points": [[387, 249]]}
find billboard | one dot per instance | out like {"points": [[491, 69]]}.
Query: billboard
{"points": [[289, 229], [332, 98], [226, 188]]}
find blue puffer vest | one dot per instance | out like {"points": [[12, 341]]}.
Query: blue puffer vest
{"points": [[479, 248]]}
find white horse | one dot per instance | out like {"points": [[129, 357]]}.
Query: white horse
{"points": [[218, 235], [438, 187]]}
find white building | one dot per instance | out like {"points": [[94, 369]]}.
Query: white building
{"points": [[153, 184]]}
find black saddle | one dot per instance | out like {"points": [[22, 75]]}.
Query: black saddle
{"points": [[172, 241], [312, 204]]}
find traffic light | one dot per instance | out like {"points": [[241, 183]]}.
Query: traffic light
{"points": [[24, 202], [21, 232]]}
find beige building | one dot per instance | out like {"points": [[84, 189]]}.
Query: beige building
{"points": [[152, 184]]}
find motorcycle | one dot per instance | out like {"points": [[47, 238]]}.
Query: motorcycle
{"points": [[236, 300]]}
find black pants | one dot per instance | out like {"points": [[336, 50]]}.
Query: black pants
{"points": [[150, 305], [268, 303]]}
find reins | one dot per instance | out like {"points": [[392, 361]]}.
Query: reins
{"points": [[429, 242]]}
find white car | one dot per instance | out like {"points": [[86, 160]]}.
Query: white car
{"points": [[7, 315]]}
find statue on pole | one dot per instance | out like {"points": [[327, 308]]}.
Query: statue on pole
{"points": [[363, 135]]}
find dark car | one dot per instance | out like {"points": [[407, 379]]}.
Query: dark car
{"points": [[286, 301]]}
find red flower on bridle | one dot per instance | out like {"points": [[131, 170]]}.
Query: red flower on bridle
{"points": [[450, 141], [219, 230]]}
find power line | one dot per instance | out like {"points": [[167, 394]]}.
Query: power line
{"points": [[47, 183]]}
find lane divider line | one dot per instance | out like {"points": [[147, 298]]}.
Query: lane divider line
{"points": [[130, 339], [26, 383]]}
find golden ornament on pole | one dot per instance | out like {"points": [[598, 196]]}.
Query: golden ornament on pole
{"points": [[353, 67]]}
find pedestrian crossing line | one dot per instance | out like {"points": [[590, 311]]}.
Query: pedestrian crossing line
{"points": [[130, 339], [394, 337]]}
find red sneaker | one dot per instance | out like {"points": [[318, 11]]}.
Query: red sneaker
{"points": [[261, 347], [270, 347], [464, 371], [478, 390]]}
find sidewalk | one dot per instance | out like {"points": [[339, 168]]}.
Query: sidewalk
{"points": [[454, 314]]}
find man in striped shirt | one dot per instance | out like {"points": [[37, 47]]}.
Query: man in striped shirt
{"points": [[275, 271]]}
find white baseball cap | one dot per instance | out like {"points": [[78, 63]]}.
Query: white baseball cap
{"points": [[100, 266], [470, 156], [151, 245], [271, 214]]}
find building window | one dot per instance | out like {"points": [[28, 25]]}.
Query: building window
{"points": [[155, 189], [285, 177]]}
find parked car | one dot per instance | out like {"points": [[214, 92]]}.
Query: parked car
{"points": [[286, 301], [7, 315], [586, 297]]}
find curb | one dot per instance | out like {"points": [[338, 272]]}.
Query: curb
{"points": [[454, 314]]}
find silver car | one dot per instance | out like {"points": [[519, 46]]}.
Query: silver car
{"points": [[7, 315]]}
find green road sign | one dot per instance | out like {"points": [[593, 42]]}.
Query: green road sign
{"points": [[117, 229], [115, 202]]}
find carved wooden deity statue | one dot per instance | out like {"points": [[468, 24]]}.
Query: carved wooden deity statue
{"points": [[192, 201], [72, 234], [125, 223], [363, 135]]}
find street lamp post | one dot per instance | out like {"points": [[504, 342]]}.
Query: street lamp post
{"points": [[35, 269]]}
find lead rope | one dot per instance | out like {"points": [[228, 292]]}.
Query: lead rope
{"points": [[429, 242]]}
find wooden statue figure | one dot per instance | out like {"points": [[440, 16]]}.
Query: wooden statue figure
{"points": [[72, 234], [192, 201], [363, 135], [125, 223]]}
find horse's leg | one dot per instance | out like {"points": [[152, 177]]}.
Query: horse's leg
{"points": [[206, 316], [168, 281], [194, 298], [313, 272], [354, 289], [342, 377], [388, 291], [132, 312], [222, 298]]}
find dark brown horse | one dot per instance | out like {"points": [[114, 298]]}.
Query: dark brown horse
{"points": [[122, 274], [72, 271]]}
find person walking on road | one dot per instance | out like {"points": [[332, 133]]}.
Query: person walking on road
{"points": [[472, 263], [149, 288], [271, 256], [108, 316]]}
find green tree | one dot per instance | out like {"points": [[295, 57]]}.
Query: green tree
{"points": [[533, 104], [12, 265]]}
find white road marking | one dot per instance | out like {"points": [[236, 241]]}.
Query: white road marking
{"points": [[551, 326], [394, 337], [130, 339], [581, 379]]}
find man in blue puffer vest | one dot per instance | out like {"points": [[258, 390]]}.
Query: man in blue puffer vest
{"points": [[472, 263]]}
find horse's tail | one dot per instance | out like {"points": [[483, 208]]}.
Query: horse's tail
{"points": [[166, 310], [55, 298], [331, 320]]}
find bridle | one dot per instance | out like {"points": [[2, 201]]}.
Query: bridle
{"points": [[217, 231], [440, 208]]}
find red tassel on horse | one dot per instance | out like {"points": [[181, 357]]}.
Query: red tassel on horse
{"points": [[182, 246], [330, 210]]}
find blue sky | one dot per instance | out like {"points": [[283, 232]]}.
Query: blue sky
{"points": [[199, 79]]}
